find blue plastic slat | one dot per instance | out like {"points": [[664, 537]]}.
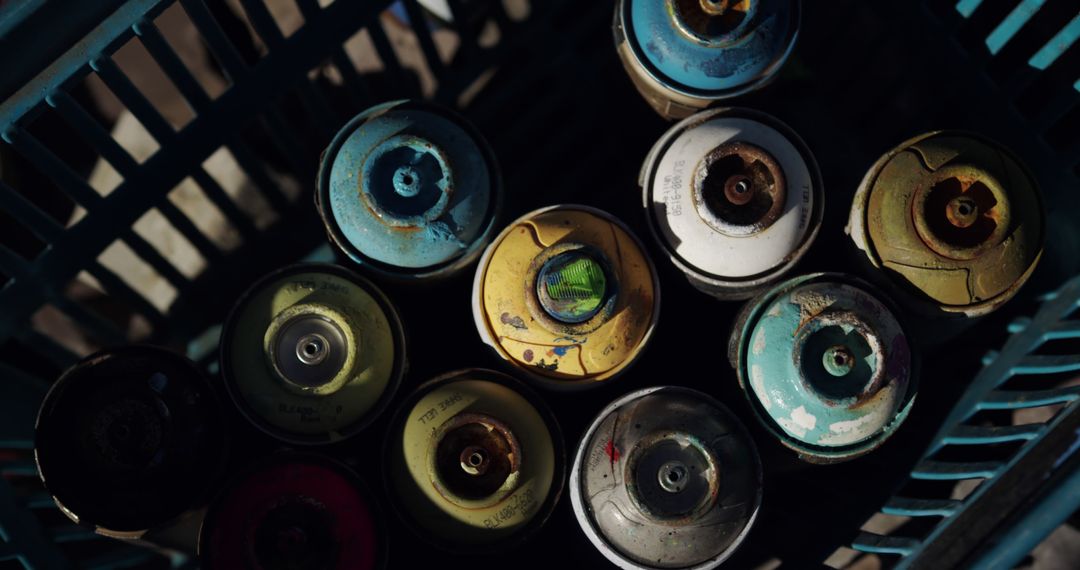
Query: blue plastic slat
{"points": [[1012, 24], [263, 23], [98, 328], [287, 143], [72, 533], [52, 167], [391, 65], [153, 257], [217, 195], [121, 85], [252, 166], [11, 264], [909, 507], [187, 228], [931, 470], [355, 85], [116, 287], [74, 60], [223, 50], [314, 101], [967, 7], [1047, 364], [880, 544], [1063, 40], [44, 345], [23, 210], [1019, 399], [419, 22], [92, 132], [172, 65], [24, 534], [978, 435]]}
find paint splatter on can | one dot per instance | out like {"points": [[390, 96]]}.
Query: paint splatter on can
{"points": [[129, 439], [475, 460], [409, 190], [684, 55], [952, 222], [567, 295], [735, 199], [666, 477], [312, 353], [826, 365], [294, 510]]}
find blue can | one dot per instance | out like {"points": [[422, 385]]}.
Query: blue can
{"points": [[683, 55], [409, 190]]}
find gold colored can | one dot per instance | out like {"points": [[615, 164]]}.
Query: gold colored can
{"points": [[955, 222], [567, 295], [475, 460]]}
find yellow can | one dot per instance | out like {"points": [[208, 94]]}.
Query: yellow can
{"points": [[567, 295], [312, 353], [475, 461]]}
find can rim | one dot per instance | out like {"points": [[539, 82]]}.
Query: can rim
{"points": [[396, 375], [388, 270], [558, 482], [585, 521]]}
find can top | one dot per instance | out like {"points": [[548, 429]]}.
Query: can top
{"points": [[733, 194], [828, 364], [408, 186], [712, 48], [568, 294], [669, 478], [293, 511], [312, 353], [954, 216], [129, 439]]}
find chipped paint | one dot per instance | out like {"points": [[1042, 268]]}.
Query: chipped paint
{"points": [[956, 219], [844, 409]]}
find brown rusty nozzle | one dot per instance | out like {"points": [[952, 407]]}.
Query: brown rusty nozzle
{"points": [[963, 216], [476, 457], [962, 211], [706, 20], [739, 189]]}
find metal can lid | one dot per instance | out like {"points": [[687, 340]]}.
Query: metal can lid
{"points": [[733, 195], [828, 365], [408, 186], [955, 218], [293, 511], [130, 438], [475, 460], [567, 294], [312, 353], [666, 477], [712, 48]]}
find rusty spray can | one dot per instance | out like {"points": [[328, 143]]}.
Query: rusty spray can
{"points": [[825, 364], [409, 190], [734, 197], [475, 460], [567, 295], [684, 55], [294, 510], [312, 353], [129, 439], [951, 221], [666, 477]]}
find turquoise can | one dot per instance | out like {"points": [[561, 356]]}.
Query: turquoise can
{"points": [[409, 190], [826, 365]]}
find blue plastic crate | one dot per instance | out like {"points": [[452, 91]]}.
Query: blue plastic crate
{"points": [[547, 90]]}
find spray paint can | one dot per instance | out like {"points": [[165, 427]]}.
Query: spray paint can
{"points": [[951, 221], [734, 197], [666, 477], [409, 190], [826, 365], [294, 510], [312, 353], [684, 55], [129, 439], [475, 460], [566, 295]]}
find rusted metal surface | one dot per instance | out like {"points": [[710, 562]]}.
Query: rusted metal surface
{"points": [[666, 477], [409, 190], [474, 457], [739, 189], [954, 220], [684, 55], [826, 365]]}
